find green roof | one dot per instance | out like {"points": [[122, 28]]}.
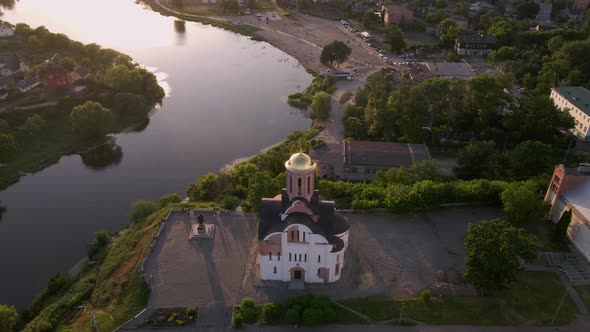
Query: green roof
{"points": [[576, 95]]}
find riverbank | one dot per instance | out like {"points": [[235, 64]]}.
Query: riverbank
{"points": [[299, 35]]}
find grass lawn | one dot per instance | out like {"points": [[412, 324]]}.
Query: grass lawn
{"points": [[584, 292], [531, 300]]}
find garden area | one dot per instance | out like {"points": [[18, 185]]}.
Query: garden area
{"points": [[531, 300], [170, 317], [301, 310]]}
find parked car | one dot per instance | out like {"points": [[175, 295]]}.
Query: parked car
{"points": [[343, 22]]}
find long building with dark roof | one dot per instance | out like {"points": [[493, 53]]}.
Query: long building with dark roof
{"points": [[301, 237], [361, 160]]}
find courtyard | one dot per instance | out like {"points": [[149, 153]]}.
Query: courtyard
{"points": [[390, 255]]}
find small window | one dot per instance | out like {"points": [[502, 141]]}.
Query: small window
{"points": [[319, 258], [303, 236], [305, 257], [289, 257], [279, 256], [374, 171], [337, 270], [319, 272], [274, 270], [270, 256], [367, 171], [308, 184], [300, 257], [354, 170]]}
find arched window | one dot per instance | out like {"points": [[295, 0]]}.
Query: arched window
{"points": [[319, 272], [319, 258], [290, 183], [300, 257], [308, 184], [289, 257], [270, 256], [275, 270], [305, 257], [279, 256], [299, 186]]}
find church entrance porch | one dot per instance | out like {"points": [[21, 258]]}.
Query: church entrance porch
{"points": [[297, 274]]}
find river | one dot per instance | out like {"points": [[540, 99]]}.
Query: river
{"points": [[226, 98]]}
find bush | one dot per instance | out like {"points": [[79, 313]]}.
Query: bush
{"points": [[141, 209], [238, 321], [271, 312], [191, 311], [229, 202], [425, 295], [169, 199], [313, 316], [7, 318], [345, 97], [292, 316]]}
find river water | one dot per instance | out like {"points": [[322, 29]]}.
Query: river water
{"points": [[226, 98]]}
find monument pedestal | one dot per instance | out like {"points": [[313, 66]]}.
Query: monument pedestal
{"points": [[206, 233]]}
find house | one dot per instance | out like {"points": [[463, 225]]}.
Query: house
{"points": [[448, 70], [575, 100], [302, 239], [569, 190], [397, 14], [474, 44], [6, 30], [581, 5], [544, 13], [478, 6], [13, 65], [79, 73], [55, 79], [28, 83], [360, 160]]}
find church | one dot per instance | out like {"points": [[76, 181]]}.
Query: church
{"points": [[301, 237]]}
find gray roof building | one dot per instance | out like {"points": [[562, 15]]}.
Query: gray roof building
{"points": [[360, 160]]}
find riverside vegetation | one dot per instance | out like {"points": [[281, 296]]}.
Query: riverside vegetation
{"points": [[121, 95]]}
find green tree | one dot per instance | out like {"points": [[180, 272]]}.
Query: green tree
{"points": [[355, 127], [141, 209], [475, 160], [526, 9], [299, 4], [68, 63], [361, 97], [8, 147], [504, 30], [395, 37], [122, 79], [492, 249], [521, 203], [321, 106], [166, 200], [8, 317], [252, 4], [461, 8], [204, 189], [33, 125], [560, 232], [271, 312], [502, 54], [228, 6], [442, 4], [91, 119], [530, 158], [335, 51], [449, 31]]}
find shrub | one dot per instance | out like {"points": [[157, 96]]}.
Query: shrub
{"points": [[238, 321], [141, 209], [345, 97], [191, 311], [271, 312], [250, 314], [425, 295], [169, 199], [313, 316], [292, 316], [229, 202], [329, 314]]}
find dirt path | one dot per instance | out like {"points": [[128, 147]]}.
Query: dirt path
{"points": [[333, 131]]}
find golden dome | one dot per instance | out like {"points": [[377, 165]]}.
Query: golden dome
{"points": [[300, 163]]}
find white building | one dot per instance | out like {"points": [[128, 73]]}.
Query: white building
{"points": [[569, 190], [301, 237], [576, 100], [6, 30]]}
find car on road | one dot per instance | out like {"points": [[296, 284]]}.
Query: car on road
{"points": [[384, 58], [521, 89], [343, 22]]}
